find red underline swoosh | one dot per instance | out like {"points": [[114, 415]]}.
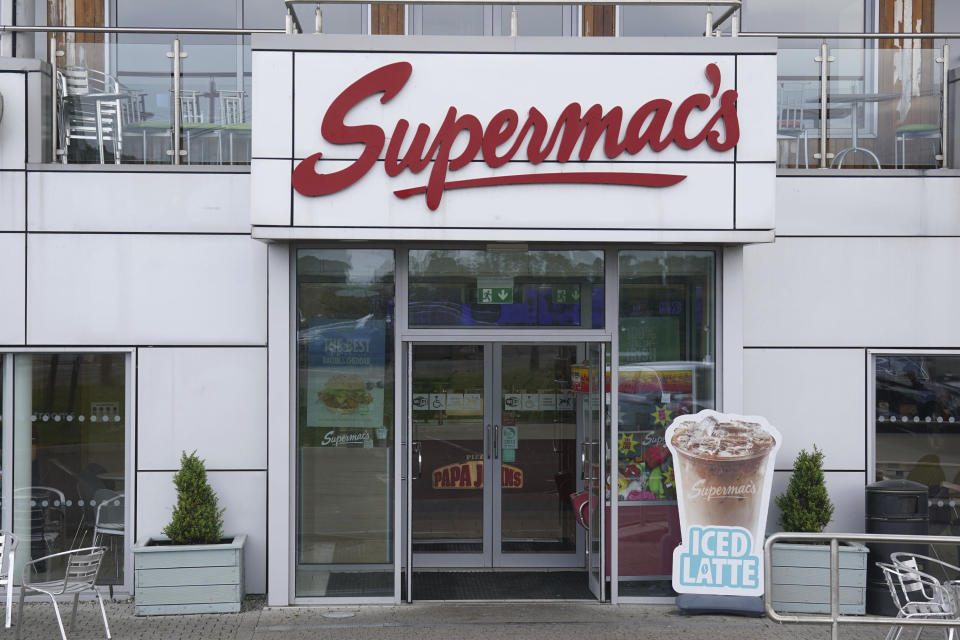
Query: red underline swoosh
{"points": [[573, 177]]}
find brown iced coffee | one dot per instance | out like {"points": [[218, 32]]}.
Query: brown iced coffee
{"points": [[721, 467]]}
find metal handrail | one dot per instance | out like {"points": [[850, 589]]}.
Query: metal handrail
{"points": [[294, 26], [796, 35], [835, 619], [18, 28]]}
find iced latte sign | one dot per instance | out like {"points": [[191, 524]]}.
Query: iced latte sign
{"points": [[724, 466]]}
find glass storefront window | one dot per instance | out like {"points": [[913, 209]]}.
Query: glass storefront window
{"points": [[667, 354], [69, 458], [345, 405], [538, 288], [918, 432]]}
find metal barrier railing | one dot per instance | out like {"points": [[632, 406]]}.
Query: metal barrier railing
{"points": [[710, 25], [834, 69], [835, 619]]}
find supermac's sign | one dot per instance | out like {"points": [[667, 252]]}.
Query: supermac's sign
{"points": [[515, 134]]}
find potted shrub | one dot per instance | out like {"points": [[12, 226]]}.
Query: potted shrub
{"points": [[193, 568], [801, 572]]}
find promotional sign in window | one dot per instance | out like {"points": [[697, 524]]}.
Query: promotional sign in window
{"points": [[723, 465], [345, 375]]}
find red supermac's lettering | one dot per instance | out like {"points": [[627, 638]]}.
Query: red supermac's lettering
{"points": [[575, 130]]}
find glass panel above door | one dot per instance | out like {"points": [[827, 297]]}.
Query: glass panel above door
{"points": [[511, 288]]}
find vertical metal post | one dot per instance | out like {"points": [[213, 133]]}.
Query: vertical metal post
{"points": [[824, 59], [288, 26], [54, 134], [177, 77], [708, 26], [514, 22], [834, 588], [318, 20], [735, 26], [945, 106]]}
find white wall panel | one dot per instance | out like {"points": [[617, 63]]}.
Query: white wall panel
{"points": [[853, 292], [146, 289], [12, 292], [846, 490], [756, 197], [270, 192], [13, 125], [483, 84], [242, 493], [371, 201], [139, 202], [212, 400], [814, 397], [756, 91], [12, 201], [272, 99], [868, 206]]}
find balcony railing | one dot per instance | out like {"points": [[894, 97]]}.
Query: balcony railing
{"points": [[182, 96], [865, 101]]}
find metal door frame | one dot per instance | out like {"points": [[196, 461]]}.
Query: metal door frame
{"points": [[492, 556], [441, 560]]}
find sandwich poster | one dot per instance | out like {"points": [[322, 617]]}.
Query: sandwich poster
{"points": [[345, 374]]}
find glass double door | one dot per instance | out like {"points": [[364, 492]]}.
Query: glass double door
{"points": [[501, 435]]}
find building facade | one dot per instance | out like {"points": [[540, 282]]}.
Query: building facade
{"points": [[409, 284]]}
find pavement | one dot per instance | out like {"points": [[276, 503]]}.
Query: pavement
{"points": [[427, 621]]}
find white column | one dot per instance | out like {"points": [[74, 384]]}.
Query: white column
{"points": [[731, 330], [281, 493]]}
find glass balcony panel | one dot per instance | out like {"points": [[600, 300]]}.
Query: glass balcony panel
{"points": [[113, 100], [884, 105], [890, 98], [215, 102]]}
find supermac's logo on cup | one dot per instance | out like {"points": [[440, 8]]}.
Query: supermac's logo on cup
{"points": [[723, 465]]}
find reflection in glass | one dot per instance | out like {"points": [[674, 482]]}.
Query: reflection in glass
{"points": [[453, 20], [463, 288], [69, 458], [918, 433], [823, 16], [662, 21], [667, 354], [349, 19], [447, 409], [345, 400]]}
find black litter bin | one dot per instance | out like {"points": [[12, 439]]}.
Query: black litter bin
{"points": [[898, 507]]}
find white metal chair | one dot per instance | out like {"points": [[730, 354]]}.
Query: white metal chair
{"points": [[917, 594], [791, 125], [79, 575], [8, 545], [109, 521]]}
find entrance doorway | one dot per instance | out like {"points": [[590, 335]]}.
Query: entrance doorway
{"points": [[501, 435]]}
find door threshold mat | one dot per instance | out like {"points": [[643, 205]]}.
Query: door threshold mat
{"points": [[501, 585]]}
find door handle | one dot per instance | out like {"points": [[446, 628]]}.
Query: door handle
{"points": [[489, 441], [496, 441], [583, 461], [418, 450]]}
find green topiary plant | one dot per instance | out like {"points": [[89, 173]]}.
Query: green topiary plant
{"points": [[196, 518], [805, 506]]}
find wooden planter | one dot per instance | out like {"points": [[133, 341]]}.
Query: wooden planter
{"points": [[801, 578], [177, 579]]}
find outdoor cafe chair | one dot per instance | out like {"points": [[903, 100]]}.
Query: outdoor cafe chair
{"points": [[917, 595], [8, 545], [79, 575]]}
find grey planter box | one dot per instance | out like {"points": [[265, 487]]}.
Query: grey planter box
{"points": [[177, 579], [801, 578]]}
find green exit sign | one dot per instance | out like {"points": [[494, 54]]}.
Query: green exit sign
{"points": [[495, 295], [566, 295]]}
